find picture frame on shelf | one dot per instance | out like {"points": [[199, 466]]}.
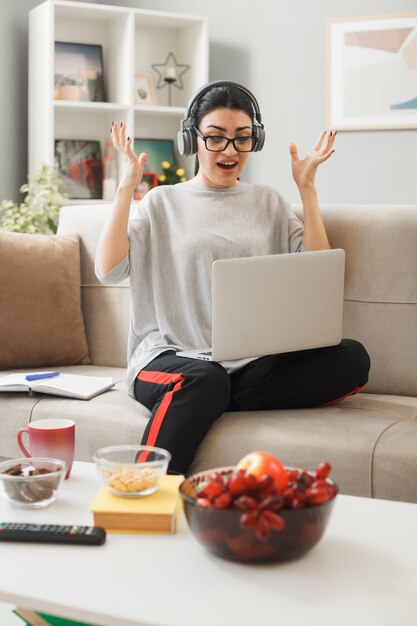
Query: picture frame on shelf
{"points": [[80, 167], [158, 150], [372, 72], [79, 74], [144, 89], [149, 180]]}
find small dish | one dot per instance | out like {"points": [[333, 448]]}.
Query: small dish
{"points": [[31, 483], [131, 471]]}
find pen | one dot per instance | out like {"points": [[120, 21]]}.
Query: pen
{"points": [[40, 375]]}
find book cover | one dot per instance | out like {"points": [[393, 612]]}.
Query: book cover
{"points": [[157, 512], [38, 618]]}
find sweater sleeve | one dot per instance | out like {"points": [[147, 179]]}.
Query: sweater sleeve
{"points": [[295, 230], [117, 274]]}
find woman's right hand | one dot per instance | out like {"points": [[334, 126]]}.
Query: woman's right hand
{"points": [[133, 165]]}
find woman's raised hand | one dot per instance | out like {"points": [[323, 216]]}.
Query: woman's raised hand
{"points": [[304, 170], [133, 165]]}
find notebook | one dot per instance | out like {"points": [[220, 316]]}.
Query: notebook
{"points": [[67, 385], [275, 303]]}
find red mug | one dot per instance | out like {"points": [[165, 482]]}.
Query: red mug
{"points": [[50, 438]]}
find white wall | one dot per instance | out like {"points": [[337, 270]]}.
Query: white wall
{"points": [[277, 49], [13, 95], [13, 98]]}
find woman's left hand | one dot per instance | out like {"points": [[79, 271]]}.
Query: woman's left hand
{"points": [[304, 170]]}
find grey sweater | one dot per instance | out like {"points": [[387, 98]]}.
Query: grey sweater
{"points": [[176, 233]]}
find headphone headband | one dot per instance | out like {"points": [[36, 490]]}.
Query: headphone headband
{"points": [[187, 141]]}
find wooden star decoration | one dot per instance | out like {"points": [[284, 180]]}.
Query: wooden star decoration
{"points": [[170, 72]]}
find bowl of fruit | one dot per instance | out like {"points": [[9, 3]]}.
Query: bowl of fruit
{"points": [[259, 510]]}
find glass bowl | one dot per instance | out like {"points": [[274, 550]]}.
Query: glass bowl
{"points": [[220, 532], [131, 471], [31, 483]]}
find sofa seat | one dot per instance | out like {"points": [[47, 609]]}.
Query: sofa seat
{"points": [[359, 435], [363, 437]]}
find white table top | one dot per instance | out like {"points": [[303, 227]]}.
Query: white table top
{"points": [[364, 571]]}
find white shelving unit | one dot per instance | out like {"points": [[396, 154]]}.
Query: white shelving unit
{"points": [[132, 40]]}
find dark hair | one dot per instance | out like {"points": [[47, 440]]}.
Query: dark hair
{"points": [[225, 96]]}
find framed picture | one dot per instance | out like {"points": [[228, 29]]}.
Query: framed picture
{"points": [[81, 168], [78, 72], [372, 72], [158, 150], [149, 180], [144, 89]]}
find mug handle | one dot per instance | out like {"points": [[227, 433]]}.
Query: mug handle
{"points": [[20, 442]]}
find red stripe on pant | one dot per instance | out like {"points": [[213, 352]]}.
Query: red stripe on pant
{"points": [[351, 393], [159, 378]]}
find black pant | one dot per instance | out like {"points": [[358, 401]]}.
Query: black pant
{"points": [[187, 395]]}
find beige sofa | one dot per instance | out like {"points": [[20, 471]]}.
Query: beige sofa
{"points": [[370, 439]]}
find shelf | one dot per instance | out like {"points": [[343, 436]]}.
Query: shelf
{"points": [[90, 106], [132, 40], [153, 109], [156, 109], [88, 12]]}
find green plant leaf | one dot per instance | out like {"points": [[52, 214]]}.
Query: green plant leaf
{"points": [[39, 211]]}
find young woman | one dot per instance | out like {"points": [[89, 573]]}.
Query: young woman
{"points": [[167, 246]]}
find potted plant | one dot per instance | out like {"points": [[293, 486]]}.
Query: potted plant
{"points": [[38, 213]]}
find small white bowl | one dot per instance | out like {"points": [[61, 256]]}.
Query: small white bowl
{"points": [[131, 471], [31, 483]]}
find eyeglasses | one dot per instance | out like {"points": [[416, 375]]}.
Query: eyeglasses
{"points": [[218, 144]]}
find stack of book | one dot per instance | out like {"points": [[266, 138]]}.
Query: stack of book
{"points": [[154, 513]]}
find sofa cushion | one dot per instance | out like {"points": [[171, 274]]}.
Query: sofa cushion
{"points": [[41, 323], [380, 308], [353, 435], [106, 308]]}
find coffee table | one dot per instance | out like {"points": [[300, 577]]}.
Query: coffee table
{"points": [[364, 571]]}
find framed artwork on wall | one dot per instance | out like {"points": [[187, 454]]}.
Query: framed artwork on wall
{"points": [[158, 150], [144, 89], [81, 168], [78, 72], [372, 72]]}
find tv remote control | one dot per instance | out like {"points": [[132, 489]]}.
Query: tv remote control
{"points": [[52, 533]]}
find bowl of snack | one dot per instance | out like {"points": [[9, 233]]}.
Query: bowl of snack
{"points": [[131, 471], [259, 510], [31, 483]]}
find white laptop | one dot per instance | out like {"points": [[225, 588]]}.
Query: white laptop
{"points": [[272, 304]]}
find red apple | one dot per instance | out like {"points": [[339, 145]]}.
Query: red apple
{"points": [[261, 463]]}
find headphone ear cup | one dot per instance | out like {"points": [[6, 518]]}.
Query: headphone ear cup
{"points": [[187, 142], [260, 136]]}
